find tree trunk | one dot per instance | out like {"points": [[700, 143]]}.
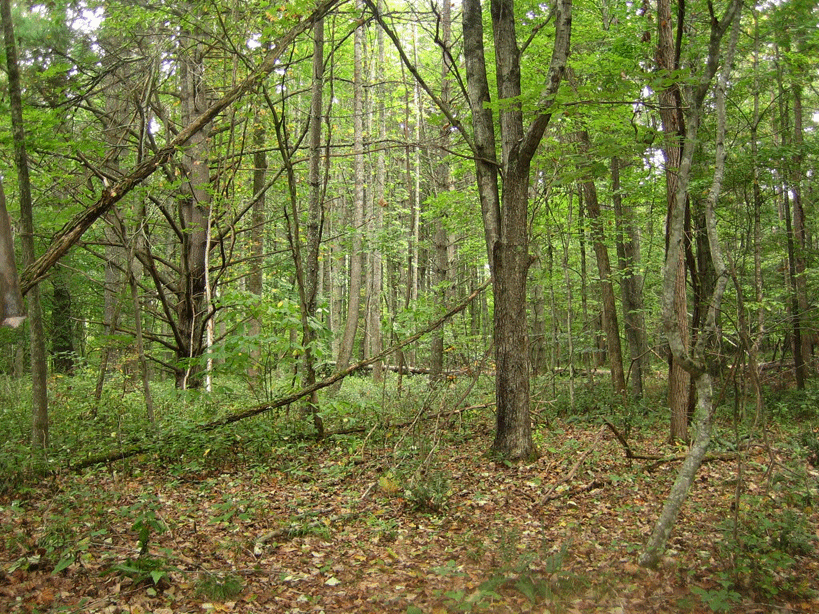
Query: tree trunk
{"points": [[375, 269], [699, 363], [12, 309], [194, 211], [315, 224], [440, 237], [62, 327], [347, 343], [610, 323], [506, 227], [255, 277], [631, 285], [671, 113], [39, 369]]}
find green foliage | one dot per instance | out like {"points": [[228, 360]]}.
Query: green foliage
{"points": [[763, 553], [219, 587], [429, 492], [273, 353]]}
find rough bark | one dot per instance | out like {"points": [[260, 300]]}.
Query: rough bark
{"points": [[671, 113]]}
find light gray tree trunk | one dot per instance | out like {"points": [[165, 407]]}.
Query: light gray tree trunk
{"points": [[699, 362], [345, 350], [194, 211], [12, 309]]}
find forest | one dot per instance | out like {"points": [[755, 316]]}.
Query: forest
{"points": [[413, 306]]}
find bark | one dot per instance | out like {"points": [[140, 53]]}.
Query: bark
{"points": [[39, 370], [631, 285], [315, 221], [12, 309], [671, 113], [610, 323], [440, 237], [483, 126], [194, 214], [376, 261], [799, 230], [140, 342], [255, 278], [345, 351], [510, 253], [699, 363], [62, 332]]}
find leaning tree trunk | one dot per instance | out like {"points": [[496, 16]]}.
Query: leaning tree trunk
{"points": [[698, 363]]}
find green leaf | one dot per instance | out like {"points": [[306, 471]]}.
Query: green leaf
{"points": [[157, 575], [64, 563]]}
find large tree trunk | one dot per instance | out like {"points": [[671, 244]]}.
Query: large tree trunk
{"points": [[39, 369], [671, 113], [505, 227]]}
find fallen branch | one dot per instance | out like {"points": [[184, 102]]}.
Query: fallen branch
{"points": [[549, 493], [292, 398], [662, 460], [709, 458], [629, 454]]}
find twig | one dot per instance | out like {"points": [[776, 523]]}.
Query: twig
{"points": [[549, 496]]}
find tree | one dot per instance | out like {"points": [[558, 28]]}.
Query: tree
{"points": [[673, 122], [700, 362], [506, 220], [345, 351], [39, 368]]}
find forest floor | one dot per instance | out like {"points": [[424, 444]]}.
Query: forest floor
{"points": [[352, 526]]}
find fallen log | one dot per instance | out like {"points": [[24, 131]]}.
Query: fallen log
{"points": [[290, 398]]}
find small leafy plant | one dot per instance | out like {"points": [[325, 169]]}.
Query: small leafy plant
{"points": [[218, 587]]}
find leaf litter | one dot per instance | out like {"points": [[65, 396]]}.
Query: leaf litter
{"points": [[319, 529]]}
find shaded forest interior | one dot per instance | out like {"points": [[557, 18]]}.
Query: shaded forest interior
{"points": [[392, 306]]}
